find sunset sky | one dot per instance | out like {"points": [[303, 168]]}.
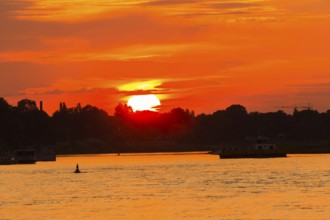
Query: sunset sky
{"points": [[202, 55]]}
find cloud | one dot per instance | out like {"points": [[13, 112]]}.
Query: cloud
{"points": [[55, 91], [129, 53], [30, 39], [233, 5], [40, 91], [304, 7], [9, 8], [169, 2], [310, 85], [64, 11], [140, 85]]}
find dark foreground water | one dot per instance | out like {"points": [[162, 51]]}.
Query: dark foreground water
{"points": [[171, 186]]}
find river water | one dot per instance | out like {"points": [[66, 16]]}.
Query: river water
{"points": [[167, 186]]}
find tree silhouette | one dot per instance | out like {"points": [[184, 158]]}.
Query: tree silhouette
{"points": [[88, 129], [27, 105]]}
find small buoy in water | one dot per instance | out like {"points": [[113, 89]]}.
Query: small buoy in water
{"points": [[77, 169]]}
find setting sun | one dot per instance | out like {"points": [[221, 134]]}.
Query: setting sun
{"points": [[144, 103]]}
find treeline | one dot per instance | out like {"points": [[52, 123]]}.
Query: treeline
{"points": [[87, 129]]}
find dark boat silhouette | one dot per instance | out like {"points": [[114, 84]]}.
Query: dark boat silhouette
{"points": [[261, 149], [26, 156]]}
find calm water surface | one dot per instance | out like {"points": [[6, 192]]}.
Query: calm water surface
{"points": [[171, 186]]}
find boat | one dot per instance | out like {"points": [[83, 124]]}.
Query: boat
{"points": [[6, 161], [6, 158], [46, 153], [261, 149], [25, 156]]}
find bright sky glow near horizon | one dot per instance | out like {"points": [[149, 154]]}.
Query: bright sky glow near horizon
{"points": [[199, 54]]}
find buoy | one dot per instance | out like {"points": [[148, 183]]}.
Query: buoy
{"points": [[77, 169]]}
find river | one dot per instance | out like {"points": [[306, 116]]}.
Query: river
{"points": [[167, 186]]}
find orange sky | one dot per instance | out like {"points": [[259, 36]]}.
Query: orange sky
{"points": [[201, 55]]}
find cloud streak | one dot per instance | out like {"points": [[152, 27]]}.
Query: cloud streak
{"points": [[169, 2]]}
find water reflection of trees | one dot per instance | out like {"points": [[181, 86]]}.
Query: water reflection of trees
{"points": [[87, 129]]}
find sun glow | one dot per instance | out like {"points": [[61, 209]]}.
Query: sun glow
{"points": [[144, 103]]}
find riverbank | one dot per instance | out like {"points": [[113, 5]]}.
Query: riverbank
{"points": [[306, 147], [92, 146]]}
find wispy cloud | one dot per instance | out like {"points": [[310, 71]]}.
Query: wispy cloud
{"points": [[10, 8], [233, 5], [169, 2], [79, 9], [311, 85]]}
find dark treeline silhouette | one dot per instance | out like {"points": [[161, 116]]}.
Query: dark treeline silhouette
{"points": [[88, 129]]}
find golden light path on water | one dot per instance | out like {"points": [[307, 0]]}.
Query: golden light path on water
{"points": [[167, 186]]}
